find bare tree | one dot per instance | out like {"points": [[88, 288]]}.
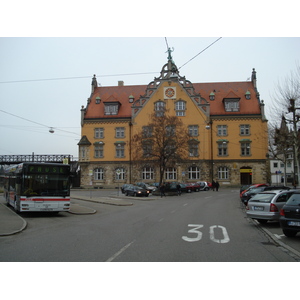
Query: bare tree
{"points": [[287, 89], [163, 142], [286, 100]]}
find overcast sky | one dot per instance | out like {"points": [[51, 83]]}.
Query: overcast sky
{"points": [[56, 103], [46, 78]]}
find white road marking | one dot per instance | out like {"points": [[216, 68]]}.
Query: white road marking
{"points": [[198, 233], [279, 236], [226, 238], [119, 252]]}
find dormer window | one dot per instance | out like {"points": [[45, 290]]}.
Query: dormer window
{"points": [[131, 99], [111, 108], [98, 100], [212, 96], [232, 104], [248, 95]]}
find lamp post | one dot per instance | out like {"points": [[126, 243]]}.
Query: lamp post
{"points": [[211, 149]]}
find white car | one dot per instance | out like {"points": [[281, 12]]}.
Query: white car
{"points": [[265, 206], [204, 185]]}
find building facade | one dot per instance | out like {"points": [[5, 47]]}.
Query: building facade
{"points": [[225, 120]]}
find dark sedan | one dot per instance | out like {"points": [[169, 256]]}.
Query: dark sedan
{"points": [[136, 191], [290, 216], [124, 187]]}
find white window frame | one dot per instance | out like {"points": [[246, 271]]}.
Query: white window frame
{"points": [[193, 130], [120, 132], [98, 174], [99, 133], [194, 173], [147, 173], [223, 173], [171, 174]]}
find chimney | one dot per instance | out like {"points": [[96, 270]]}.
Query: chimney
{"points": [[120, 83]]}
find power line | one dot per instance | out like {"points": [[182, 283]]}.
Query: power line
{"points": [[105, 75], [200, 52], [68, 78], [167, 43], [50, 127]]}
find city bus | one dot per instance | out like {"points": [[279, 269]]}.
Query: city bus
{"points": [[37, 187]]}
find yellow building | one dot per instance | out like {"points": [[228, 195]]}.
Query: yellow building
{"points": [[225, 120]]}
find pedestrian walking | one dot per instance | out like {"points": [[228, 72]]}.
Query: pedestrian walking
{"points": [[178, 189], [217, 186], [162, 190], [213, 185]]}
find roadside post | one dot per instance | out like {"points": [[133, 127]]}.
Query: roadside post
{"points": [[118, 172]]}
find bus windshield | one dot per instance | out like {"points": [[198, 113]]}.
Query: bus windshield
{"points": [[45, 185]]}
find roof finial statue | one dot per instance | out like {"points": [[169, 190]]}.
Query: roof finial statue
{"points": [[169, 53]]}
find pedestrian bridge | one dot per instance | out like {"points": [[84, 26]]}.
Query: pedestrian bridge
{"points": [[16, 159]]}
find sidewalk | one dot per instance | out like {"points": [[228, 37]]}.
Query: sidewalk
{"points": [[12, 223]]}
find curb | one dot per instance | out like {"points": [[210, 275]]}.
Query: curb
{"points": [[15, 231], [295, 253], [82, 210], [103, 202]]}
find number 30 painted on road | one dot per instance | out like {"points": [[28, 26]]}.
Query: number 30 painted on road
{"points": [[198, 233]]}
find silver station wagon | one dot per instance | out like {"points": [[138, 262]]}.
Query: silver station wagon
{"points": [[266, 206]]}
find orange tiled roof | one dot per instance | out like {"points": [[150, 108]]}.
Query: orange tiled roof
{"points": [[229, 90], [220, 89], [114, 93]]}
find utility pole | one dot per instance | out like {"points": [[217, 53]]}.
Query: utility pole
{"points": [[295, 120]]}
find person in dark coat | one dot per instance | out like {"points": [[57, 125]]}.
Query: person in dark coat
{"points": [[162, 190], [217, 185], [213, 185], [178, 189]]}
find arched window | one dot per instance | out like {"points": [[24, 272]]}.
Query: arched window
{"points": [[120, 174]]}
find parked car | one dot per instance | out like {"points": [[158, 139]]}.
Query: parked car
{"points": [[266, 206], [171, 188], [183, 188], [290, 215], [196, 186], [146, 186], [124, 187], [192, 187], [252, 192], [253, 186], [244, 187], [136, 191], [204, 185]]}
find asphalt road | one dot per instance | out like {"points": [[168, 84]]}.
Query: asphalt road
{"points": [[197, 227]]}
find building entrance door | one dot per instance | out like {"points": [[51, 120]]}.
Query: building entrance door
{"points": [[246, 175]]}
